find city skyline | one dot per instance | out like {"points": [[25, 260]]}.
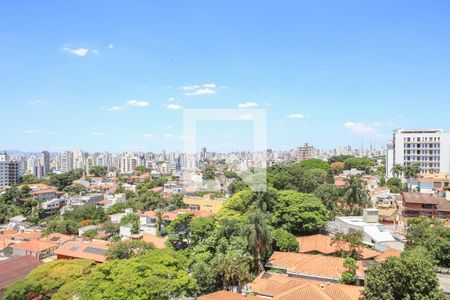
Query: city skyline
{"points": [[118, 78]]}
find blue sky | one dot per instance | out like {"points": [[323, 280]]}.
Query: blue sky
{"points": [[115, 75]]}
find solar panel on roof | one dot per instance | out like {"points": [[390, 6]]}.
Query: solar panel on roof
{"points": [[74, 248], [94, 250]]}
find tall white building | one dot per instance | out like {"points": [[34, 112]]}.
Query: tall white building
{"points": [[429, 148], [11, 171], [66, 161]]}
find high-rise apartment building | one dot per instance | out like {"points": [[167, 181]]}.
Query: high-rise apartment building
{"points": [[306, 152], [66, 161], [429, 148], [11, 171]]}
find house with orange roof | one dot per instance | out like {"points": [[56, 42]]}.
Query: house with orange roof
{"points": [[94, 250], [44, 194], [57, 238], [323, 244], [27, 236], [158, 242], [388, 253], [280, 286], [312, 266], [226, 295], [36, 248]]}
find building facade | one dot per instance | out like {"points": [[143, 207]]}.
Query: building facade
{"points": [[11, 171], [429, 148]]}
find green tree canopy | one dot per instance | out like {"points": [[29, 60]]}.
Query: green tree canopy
{"points": [[158, 274], [409, 277], [284, 241], [299, 213], [432, 235]]}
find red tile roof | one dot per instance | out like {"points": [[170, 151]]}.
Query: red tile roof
{"points": [[309, 264], [284, 287], [323, 244], [388, 253], [57, 238], [35, 246], [16, 268], [81, 250], [158, 242], [32, 235], [226, 295]]}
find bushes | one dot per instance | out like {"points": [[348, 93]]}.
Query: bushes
{"points": [[284, 241]]}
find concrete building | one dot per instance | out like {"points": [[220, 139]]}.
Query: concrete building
{"points": [[430, 148], [44, 164], [306, 152], [10, 171], [66, 162]]}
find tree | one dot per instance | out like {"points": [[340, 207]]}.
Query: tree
{"points": [[362, 164], [47, 279], [129, 218], [208, 173], [91, 233], [135, 228], [349, 244], [259, 237], [98, 171], [337, 167], [409, 277], [158, 274], [59, 225], [75, 189], [314, 163], [86, 212], [128, 249], [411, 172], [356, 195], [61, 181], [349, 275], [284, 241], [397, 170], [177, 202], [299, 213], [234, 269], [178, 230], [432, 235], [331, 196], [394, 184]]}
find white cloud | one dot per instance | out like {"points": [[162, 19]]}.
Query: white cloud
{"points": [[135, 103], [168, 136], [37, 102], [110, 46], [76, 51], [174, 106], [96, 133], [168, 127], [171, 99], [295, 116], [148, 136], [360, 128], [204, 89], [140, 103], [96, 52], [115, 108], [247, 105], [32, 131]]}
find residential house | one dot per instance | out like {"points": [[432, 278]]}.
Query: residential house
{"points": [[94, 250], [312, 266], [206, 203], [323, 244], [421, 204], [226, 295], [36, 248], [282, 287]]}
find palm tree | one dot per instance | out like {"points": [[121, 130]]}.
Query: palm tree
{"points": [[259, 237], [234, 268], [158, 222], [264, 201], [410, 172], [397, 170], [356, 195]]}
